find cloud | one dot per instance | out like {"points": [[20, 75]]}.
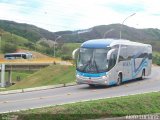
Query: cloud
{"points": [[123, 8], [56, 15]]}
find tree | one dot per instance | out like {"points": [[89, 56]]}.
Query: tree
{"points": [[9, 48]]}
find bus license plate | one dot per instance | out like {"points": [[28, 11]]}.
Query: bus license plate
{"points": [[90, 81]]}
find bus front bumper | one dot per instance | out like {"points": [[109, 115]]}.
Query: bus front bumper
{"points": [[92, 80]]}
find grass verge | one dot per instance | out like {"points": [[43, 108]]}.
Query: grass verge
{"points": [[17, 76], [20, 75], [113, 107]]}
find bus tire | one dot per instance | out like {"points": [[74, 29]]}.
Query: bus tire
{"points": [[92, 85], [142, 75], [119, 79]]}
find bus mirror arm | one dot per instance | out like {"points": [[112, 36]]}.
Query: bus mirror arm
{"points": [[107, 63], [110, 53], [75, 53]]}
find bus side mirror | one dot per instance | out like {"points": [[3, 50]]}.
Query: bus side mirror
{"points": [[109, 58], [75, 53], [110, 53]]}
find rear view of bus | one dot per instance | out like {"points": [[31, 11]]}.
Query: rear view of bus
{"points": [[109, 61]]}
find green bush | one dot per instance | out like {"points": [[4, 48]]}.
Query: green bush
{"points": [[9, 48], [156, 59]]}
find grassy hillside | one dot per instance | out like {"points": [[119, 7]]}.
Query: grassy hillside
{"points": [[31, 35], [11, 42], [67, 49], [14, 43], [55, 74], [129, 33], [111, 31], [17, 76], [35, 54], [30, 32]]}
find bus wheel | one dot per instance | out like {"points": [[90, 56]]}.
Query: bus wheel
{"points": [[91, 85], [143, 74], [119, 79]]}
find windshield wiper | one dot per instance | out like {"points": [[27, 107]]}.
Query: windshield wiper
{"points": [[91, 66], [96, 66], [88, 63]]}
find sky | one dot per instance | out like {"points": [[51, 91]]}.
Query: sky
{"points": [[60, 15]]}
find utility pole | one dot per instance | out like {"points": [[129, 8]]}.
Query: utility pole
{"points": [[120, 33], [0, 43], [55, 45]]}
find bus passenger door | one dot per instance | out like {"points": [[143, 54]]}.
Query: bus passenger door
{"points": [[112, 57]]}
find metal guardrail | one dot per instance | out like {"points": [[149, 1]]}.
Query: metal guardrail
{"points": [[30, 60], [31, 64]]}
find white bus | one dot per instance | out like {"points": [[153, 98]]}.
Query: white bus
{"points": [[111, 62], [19, 55]]}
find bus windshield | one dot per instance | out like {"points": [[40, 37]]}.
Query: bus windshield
{"points": [[92, 60]]}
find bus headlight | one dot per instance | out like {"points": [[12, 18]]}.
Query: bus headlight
{"points": [[77, 76], [105, 81], [105, 77]]}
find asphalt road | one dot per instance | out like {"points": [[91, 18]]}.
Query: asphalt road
{"points": [[37, 99]]}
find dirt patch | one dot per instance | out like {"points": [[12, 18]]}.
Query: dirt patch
{"points": [[34, 53]]}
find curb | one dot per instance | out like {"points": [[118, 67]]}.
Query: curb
{"points": [[37, 88]]}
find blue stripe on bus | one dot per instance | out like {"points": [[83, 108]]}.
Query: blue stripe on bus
{"points": [[143, 65], [126, 79], [112, 82], [91, 74]]}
